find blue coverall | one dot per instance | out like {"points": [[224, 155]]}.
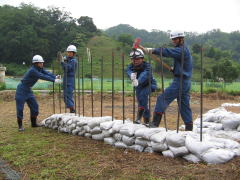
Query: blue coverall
{"points": [[143, 90], [69, 67], [24, 92], [172, 92]]}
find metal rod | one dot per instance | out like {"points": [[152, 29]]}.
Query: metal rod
{"points": [[78, 70], [65, 88], [123, 90], [180, 88], [102, 86], [92, 84], [112, 85], [83, 88], [53, 93], [163, 90], [134, 102], [201, 97], [59, 55], [75, 95], [150, 84]]}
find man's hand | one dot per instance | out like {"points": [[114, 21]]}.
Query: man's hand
{"points": [[133, 76], [58, 81], [58, 77], [135, 83]]}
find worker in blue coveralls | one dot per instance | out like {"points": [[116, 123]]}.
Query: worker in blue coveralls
{"points": [[69, 65], [181, 54], [25, 94], [140, 72]]}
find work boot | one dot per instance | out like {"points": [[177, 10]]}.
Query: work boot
{"points": [[34, 122], [72, 110], [189, 126], [156, 120], [146, 121], [20, 126], [139, 116]]}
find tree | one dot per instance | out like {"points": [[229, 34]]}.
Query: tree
{"points": [[126, 39], [86, 24]]}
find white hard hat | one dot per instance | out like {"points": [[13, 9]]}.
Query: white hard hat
{"points": [[138, 53], [37, 58], [176, 34], [71, 48]]}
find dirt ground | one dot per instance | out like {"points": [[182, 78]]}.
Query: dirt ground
{"points": [[129, 161]]}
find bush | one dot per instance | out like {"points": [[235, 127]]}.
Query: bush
{"points": [[15, 69], [2, 86]]}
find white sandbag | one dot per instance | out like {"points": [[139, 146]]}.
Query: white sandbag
{"points": [[192, 158], [179, 151], [230, 105], [151, 131], [107, 133], [75, 131], [149, 150], [128, 140], [88, 135], [176, 139], [117, 136], [129, 129], [136, 147], [95, 121], [231, 123], [142, 142], [236, 151], [117, 125], [120, 145], [238, 128], [196, 147], [83, 121], [140, 132], [159, 137], [106, 125], [81, 133], [159, 147], [72, 127], [98, 137], [217, 156], [69, 122], [227, 143], [109, 140], [87, 128], [168, 153], [96, 130]]}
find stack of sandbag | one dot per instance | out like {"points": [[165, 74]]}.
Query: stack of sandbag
{"points": [[220, 122], [138, 137]]}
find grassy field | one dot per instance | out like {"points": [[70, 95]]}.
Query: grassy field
{"points": [[41, 153]]}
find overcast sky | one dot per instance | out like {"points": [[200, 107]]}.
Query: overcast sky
{"points": [[188, 15]]}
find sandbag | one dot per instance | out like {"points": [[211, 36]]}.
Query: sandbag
{"points": [[96, 130], [136, 147], [159, 137], [95, 121], [120, 145], [106, 125], [217, 156], [168, 153], [179, 151], [176, 139], [117, 136], [159, 147], [149, 150], [128, 140], [98, 137], [129, 129], [142, 142], [109, 140], [192, 158]]}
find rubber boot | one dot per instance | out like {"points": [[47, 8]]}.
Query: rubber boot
{"points": [[156, 120], [34, 122], [146, 121], [139, 116], [20, 126], [72, 110], [189, 126]]}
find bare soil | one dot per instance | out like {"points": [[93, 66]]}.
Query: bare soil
{"points": [[127, 163]]}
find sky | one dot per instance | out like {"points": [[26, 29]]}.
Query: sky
{"points": [[188, 15]]}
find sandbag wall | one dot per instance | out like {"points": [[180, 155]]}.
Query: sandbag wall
{"points": [[187, 145]]}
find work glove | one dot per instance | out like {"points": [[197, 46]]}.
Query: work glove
{"points": [[135, 83], [148, 50], [58, 81], [133, 76], [58, 77]]}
